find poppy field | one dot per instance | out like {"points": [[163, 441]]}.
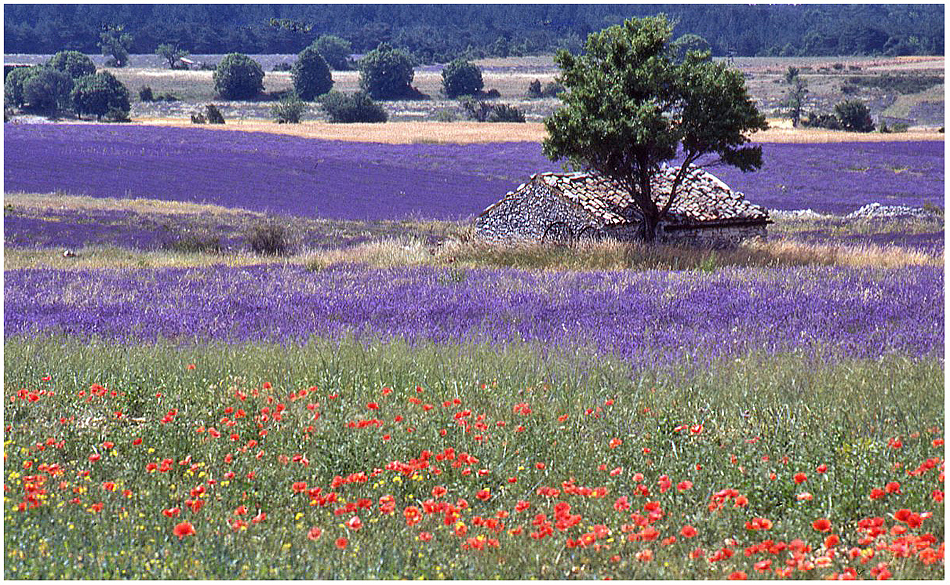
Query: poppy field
{"points": [[386, 459]]}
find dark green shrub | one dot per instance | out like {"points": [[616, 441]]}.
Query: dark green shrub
{"points": [[269, 239], [288, 110], [145, 94], [282, 67], [347, 109], [484, 112], [72, 63], [47, 91], [213, 114], [100, 94], [386, 73], [461, 77], [311, 74], [491, 94], [816, 120], [334, 50], [238, 77], [505, 113], [13, 85], [854, 116], [198, 118], [534, 89]]}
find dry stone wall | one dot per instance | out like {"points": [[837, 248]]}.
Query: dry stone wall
{"points": [[532, 213]]}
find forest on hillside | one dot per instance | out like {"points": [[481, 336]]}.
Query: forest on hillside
{"points": [[438, 33]]}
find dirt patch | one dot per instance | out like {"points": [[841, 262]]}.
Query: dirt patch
{"points": [[478, 133]]}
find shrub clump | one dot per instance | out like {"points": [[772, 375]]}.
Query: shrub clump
{"points": [[311, 74], [335, 50], [211, 115], [72, 63], [550, 89], [269, 239], [854, 116], [238, 77], [461, 77], [481, 111], [101, 94], [47, 90], [386, 73], [347, 109], [288, 110]]}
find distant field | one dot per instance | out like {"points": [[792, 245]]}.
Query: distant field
{"points": [[826, 78], [370, 181]]}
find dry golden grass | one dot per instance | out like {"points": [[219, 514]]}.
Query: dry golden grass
{"points": [[613, 255], [482, 132], [108, 257], [606, 255], [84, 203]]}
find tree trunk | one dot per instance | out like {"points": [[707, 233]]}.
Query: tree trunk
{"points": [[648, 228]]}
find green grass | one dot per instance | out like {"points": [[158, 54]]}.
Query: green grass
{"points": [[799, 411]]}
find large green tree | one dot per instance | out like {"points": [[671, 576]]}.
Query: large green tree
{"points": [[99, 94], [238, 77], [629, 107], [385, 73], [311, 74]]}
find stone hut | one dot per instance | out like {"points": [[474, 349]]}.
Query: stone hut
{"points": [[570, 206]]}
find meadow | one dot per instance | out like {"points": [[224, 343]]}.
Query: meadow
{"points": [[392, 399]]}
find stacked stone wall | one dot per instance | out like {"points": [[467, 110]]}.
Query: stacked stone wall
{"points": [[531, 214]]}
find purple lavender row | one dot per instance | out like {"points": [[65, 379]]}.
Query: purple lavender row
{"points": [[649, 318], [369, 181]]}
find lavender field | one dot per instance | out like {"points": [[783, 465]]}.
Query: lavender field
{"points": [[647, 318], [364, 181], [389, 399]]}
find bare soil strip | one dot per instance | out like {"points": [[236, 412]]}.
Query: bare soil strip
{"points": [[477, 132]]}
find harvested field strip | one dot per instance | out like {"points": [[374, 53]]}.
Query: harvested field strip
{"points": [[481, 133]]}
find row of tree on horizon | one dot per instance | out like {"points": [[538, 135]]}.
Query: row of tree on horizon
{"points": [[440, 33]]}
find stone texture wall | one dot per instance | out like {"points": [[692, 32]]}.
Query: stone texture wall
{"points": [[532, 213], [712, 237]]}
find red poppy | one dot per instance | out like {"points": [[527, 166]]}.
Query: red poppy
{"points": [[822, 468], [800, 478], [314, 533], [172, 512], [354, 523], [688, 531], [425, 536], [832, 540], [684, 485], [413, 515], [821, 525], [184, 529], [738, 576], [876, 494], [483, 494], [614, 443], [299, 486], [109, 486], [259, 518], [341, 543], [94, 457], [438, 491], [893, 488]]}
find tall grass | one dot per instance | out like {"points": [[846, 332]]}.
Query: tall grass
{"points": [[761, 414]]}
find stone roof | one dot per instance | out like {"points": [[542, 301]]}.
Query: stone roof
{"points": [[701, 197]]}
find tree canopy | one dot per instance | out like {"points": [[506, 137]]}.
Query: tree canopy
{"points": [[385, 73], [442, 32], [311, 74], [629, 107], [238, 77]]}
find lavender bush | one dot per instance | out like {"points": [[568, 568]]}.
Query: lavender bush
{"points": [[347, 180], [648, 318]]}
